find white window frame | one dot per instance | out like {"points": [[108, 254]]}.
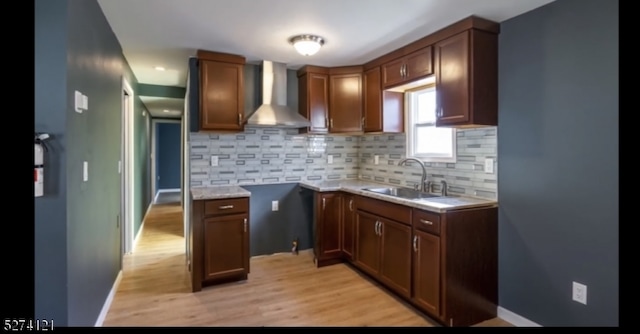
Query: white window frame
{"points": [[411, 125]]}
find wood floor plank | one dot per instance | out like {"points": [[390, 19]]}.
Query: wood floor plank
{"points": [[282, 290]]}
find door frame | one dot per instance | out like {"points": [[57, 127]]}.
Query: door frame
{"points": [[154, 156], [127, 178]]}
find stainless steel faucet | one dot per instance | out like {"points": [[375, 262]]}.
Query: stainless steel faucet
{"points": [[443, 187], [423, 181]]}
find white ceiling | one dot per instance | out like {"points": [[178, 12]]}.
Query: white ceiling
{"points": [[167, 32]]}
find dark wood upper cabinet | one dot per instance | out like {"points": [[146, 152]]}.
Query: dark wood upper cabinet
{"points": [[221, 91], [467, 79], [414, 66], [345, 99], [383, 110], [313, 98]]}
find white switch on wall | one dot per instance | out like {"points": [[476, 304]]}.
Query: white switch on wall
{"points": [[330, 159], [488, 166], [274, 205], [85, 171], [214, 160]]}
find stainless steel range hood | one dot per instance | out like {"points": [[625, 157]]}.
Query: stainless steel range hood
{"points": [[274, 111]]}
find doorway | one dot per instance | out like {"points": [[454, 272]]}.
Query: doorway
{"points": [[166, 165], [125, 167]]}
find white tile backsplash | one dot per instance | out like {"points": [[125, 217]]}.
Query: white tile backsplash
{"points": [[273, 155]]}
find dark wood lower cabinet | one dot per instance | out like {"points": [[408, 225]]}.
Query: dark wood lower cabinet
{"points": [[445, 264], [426, 272], [383, 246], [328, 228], [348, 226], [219, 241]]}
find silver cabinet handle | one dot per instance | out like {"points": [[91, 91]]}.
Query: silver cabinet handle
{"points": [[326, 122], [401, 73], [245, 225], [426, 222], [331, 123], [324, 203], [376, 227], [351, 205], [224, 207], [362, 122], [415, 243], [240, 119], [406, 73]]}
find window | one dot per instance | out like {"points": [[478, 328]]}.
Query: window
{"points": [[424, 140]]}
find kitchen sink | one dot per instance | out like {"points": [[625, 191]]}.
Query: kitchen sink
{"points": [[401, 192]]}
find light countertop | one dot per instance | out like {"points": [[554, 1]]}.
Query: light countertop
{"points": [[218, 192], [435, 204]]}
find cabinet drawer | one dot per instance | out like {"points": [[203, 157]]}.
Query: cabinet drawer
{"points": [[426, 221], [226, 206], [397, 212]]}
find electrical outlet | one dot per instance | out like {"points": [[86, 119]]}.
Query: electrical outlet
{"points": [[274, 205], [329, 159], [214, 160], [580, 293], [488, 166], [376, 159]]}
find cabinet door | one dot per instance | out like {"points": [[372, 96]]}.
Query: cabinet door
{"points": [[372, 101], [395, 256], [221, 96], [345, 103], [367, 243], [314, 101], [225, 246], [348, 223], [452, 80], [392, 73], [419, 64], [330, 226], [426, 272]]}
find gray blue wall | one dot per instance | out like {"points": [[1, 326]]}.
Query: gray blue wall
{"points": [[50, 102], [77, 251], [558, 159], [168, 155], [274, 231]]}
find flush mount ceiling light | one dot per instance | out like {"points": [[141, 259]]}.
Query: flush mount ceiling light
{"points": [[307, 45]]}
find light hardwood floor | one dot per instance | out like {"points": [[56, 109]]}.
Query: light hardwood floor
{"points": [[282, 290]]}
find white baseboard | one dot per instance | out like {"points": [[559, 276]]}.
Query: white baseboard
{"points": [[107, 303], [137, 238], [175, 190], [515, 319]]}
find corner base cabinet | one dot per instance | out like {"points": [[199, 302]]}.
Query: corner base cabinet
{"points": [[219, 233]]}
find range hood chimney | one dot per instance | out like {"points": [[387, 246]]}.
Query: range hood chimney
{"points": [[274, 111]]}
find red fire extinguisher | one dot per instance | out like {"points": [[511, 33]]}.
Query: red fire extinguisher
{"points": [[38, 163]]}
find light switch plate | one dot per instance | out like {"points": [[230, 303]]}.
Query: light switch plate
{"points": [[214, 160], [274, 205], [85, 171], [78, 102], [488, 166]]}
